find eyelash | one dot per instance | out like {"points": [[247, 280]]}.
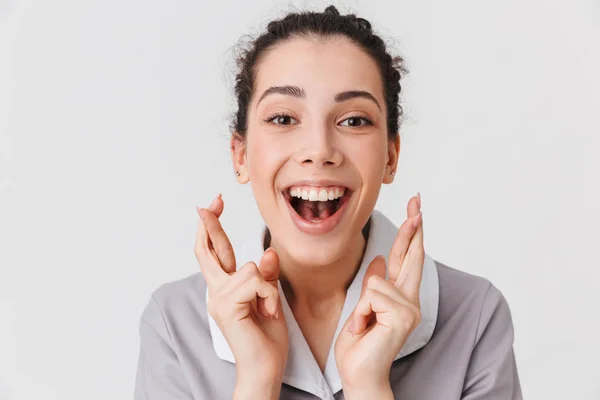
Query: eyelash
{"points": [[277, 115]]}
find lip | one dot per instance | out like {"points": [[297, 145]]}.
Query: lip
{"points": [[323, 227]]}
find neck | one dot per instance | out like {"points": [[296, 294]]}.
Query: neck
{"points": [[299, 282]]}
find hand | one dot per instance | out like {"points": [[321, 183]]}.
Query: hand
{"points": [[386, 314], [245, 305]]}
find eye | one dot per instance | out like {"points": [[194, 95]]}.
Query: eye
{"points": [[354, 121], [280, 119]]}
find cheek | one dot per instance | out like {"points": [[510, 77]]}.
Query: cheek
{"points": [[264, 158], [370, 159]]}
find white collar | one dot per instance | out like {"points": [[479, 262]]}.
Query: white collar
{"points": [[302, 370]]}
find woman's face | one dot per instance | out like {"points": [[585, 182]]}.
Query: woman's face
{"points": [[317, 149]]}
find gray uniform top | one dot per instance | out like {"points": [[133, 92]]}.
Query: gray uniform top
{"points": [[462, 349]]}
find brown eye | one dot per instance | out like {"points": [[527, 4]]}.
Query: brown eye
{"points": [[280, 119], [355, 122]]}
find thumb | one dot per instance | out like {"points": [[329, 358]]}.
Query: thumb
{"points": [[269, 266], [269, 269]]}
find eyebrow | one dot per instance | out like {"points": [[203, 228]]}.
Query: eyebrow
{"points": [[295, 91]]}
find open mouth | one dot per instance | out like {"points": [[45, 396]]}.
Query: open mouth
{"points": [[316, 204]]}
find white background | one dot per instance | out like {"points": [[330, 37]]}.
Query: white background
{"points": [[114, 124]]}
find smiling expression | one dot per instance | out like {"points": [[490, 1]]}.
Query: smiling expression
{"points": [[317, 148]]}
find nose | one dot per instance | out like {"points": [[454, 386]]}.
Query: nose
{"points": [[319, 148]]}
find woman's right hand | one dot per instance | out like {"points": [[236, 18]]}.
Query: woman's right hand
{"points": [[245, 305]]}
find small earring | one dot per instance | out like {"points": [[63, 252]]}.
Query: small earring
{"points": [[392, 174], [237, 173]]}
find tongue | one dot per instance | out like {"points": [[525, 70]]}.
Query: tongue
{"points": [[315, 210]]}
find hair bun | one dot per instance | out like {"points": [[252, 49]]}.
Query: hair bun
{"points": [[275, 27], [363, 23], [332, 10]]}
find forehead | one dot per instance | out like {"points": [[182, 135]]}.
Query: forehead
{"points": [[321, 67]]}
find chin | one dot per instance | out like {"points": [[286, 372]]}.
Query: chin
{"points": [[317, 252]]}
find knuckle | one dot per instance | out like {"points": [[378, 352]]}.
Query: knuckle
{"points": [[405, 325], [249, 270], [374, 281], [418, 317], [409, 318], [249, 274], [418, 304], [370, 294], [254, 280]]}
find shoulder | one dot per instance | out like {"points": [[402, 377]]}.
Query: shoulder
{"points": [[178, 303], [468, 301], [459, 284], [476, 330], [176, 293]]}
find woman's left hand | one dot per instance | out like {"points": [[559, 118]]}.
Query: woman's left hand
{"points": [[386, 314]]}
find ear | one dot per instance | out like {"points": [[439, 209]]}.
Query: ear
{"points": [[238, 157], [392, 159]]}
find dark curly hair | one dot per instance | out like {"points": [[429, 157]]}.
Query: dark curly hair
{"points": [[321, 24]]}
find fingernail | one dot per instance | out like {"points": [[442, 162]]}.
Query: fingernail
{"points": [[419, 198], [199, 209], [212, 203], [272, 249], [351, 328], [417, 219]]}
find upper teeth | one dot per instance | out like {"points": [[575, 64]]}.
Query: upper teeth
{"points": [[317, 194]]}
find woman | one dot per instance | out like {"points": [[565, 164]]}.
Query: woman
{"points": [[341, 304]]}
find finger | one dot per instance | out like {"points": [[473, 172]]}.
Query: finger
{"points": [[411, 273], [253, 285], [376, 268], [209, 264], [386, 287], [403, 238], [269, 269], [401, 244], [373, 302], [218, 240], [216, 206]]}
